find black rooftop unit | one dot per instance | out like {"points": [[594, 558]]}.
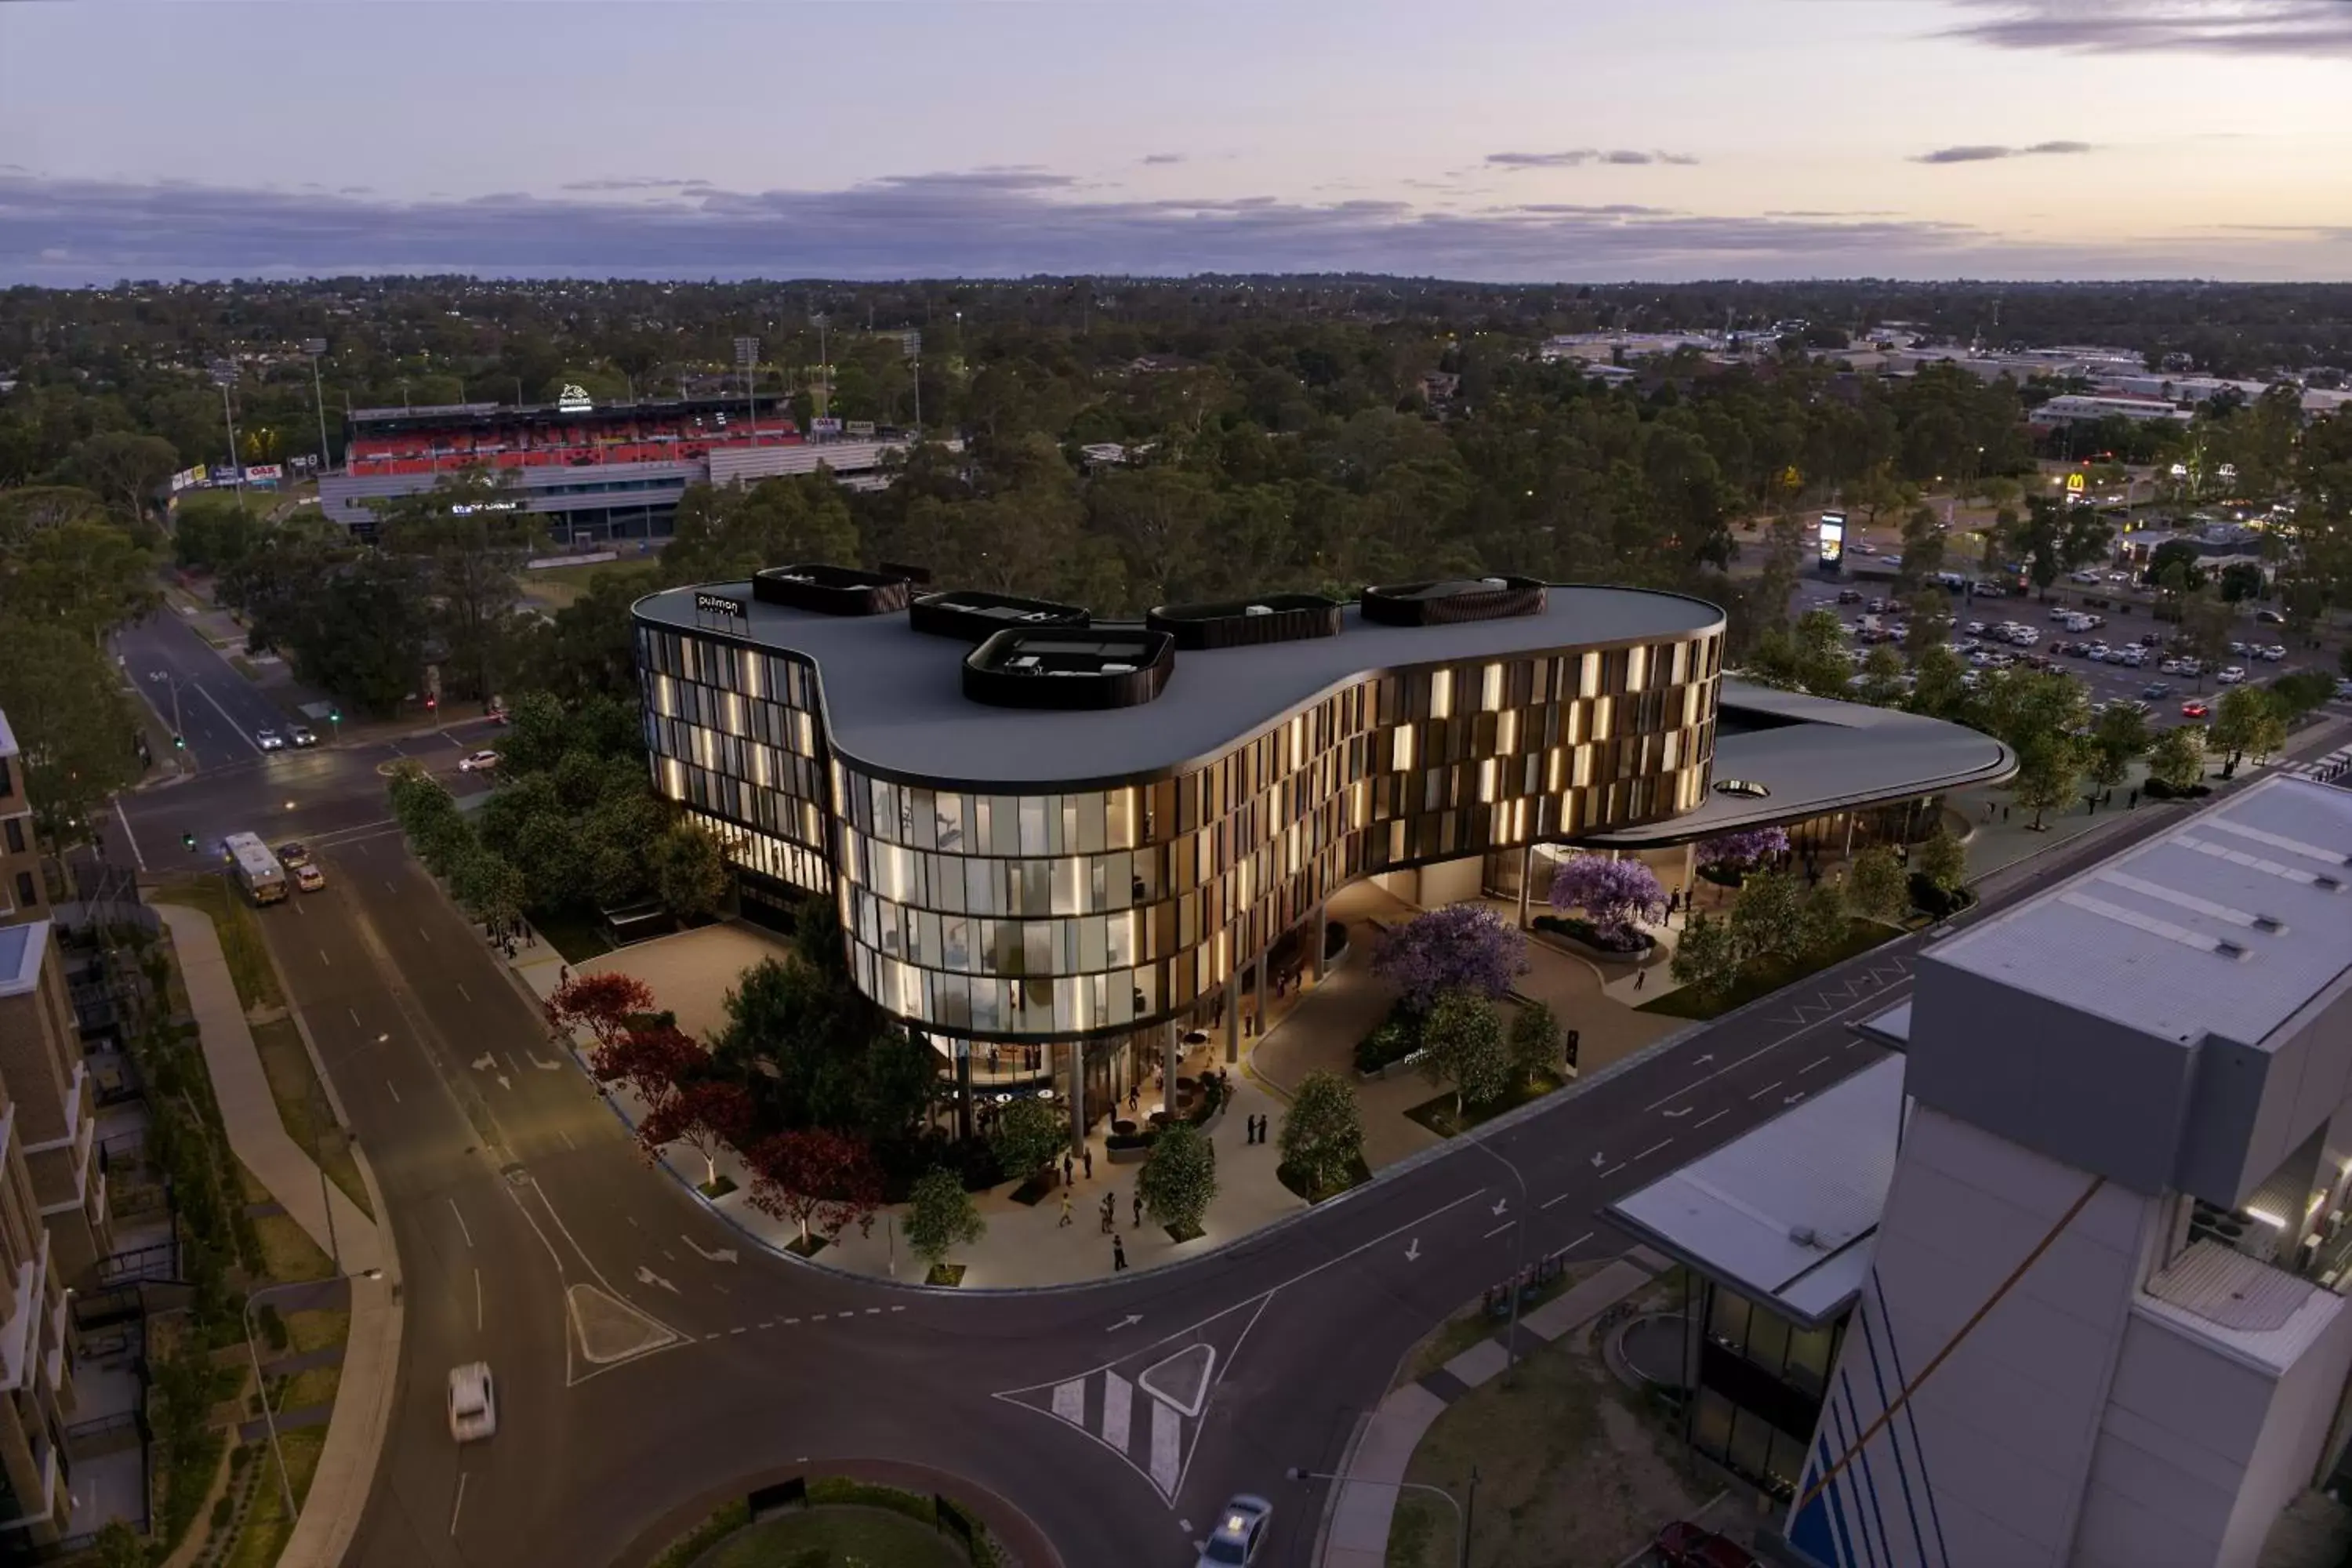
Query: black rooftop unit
{"points": [[1245, 623], [974, 615], [1069, 668], [830, 590], [1452, 603]]}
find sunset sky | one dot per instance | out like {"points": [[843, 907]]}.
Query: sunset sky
{"points": [[1494, 139]]}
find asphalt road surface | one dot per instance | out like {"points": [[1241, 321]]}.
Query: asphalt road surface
{"points": [[194, 691], [648, 1353]]}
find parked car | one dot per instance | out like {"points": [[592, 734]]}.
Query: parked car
{"points": [[1241, 1532], [2156, 689], [1849, 596], [2193, 709], [269, 740], [2270, 617], [1685, 1545], [2086, 576], [1974, 629], [2231, 676], [2272, 654], [474, 1403], [477, 762]]}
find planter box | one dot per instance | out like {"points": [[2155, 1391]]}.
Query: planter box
{"points": [[1135, 1157], [1396, 1068], [1567, 944]]}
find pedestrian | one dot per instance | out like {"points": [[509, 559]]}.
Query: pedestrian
{"points": [[1065, 1208], [1088, 1154], [563, 975], [1109, 1212], [1641, 977], [1068, 1167], [1575, 1038], [1134, 1093], [1139, 1205], [1118, 1254], [2004, 813]]}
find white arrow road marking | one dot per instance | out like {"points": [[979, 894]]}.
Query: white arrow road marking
{"points": [[1500, 1204], [484, 1062], [724, 1254], [1794, 1098], [1413, 1253], [1702, 1061], [1686, 1111], [1598, 1159], [543, 1067], [1126, 1322], [647, 1277]]}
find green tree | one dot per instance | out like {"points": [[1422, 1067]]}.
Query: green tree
{"points": [[470, 536], [125, 469], [1027, 1134], [1875, 886], [2177, 760], [2047, 772], [2205, 622], [1941, 860], [1462, 1044], [489, 886], [74, 724], [2300, 692], [89, 576], [1821, 921], [1882, 676], [1708, 959], [1179, 1179], [1768, 916], [118, 1546], [940, 1216], [690, 869], [1940, 688], [2119, 737], [2248, 718], [723, 534], [1535, 1042], [1322, 1136]]}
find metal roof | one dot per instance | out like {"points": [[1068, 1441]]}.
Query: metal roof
{"points": [[1788, 1213], [2228, 925], [2240, 1305]]}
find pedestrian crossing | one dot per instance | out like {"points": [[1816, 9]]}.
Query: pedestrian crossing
{"points": [[1150, 1406], [2335, 768]]}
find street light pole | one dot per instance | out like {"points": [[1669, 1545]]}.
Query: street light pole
{"points": [[224, 374], [316, 347], [1461, 1519], [269, 1415]]}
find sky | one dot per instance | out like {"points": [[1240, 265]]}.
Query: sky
{"points": [[1499, 139]]}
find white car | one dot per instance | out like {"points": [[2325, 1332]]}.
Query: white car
{"points": [[2272, 654], [2086, 576], [1240, 1534], [2118, 576], [474, 1402], [2231, 676], [269, 740], [477, 762]]}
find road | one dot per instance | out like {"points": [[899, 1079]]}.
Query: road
{"points": [[648, 1354], [217, 711]]}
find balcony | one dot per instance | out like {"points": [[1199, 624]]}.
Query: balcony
{"points": [[19, 1336], [30, 1512]]}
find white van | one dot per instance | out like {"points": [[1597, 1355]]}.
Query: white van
{"points": [[473, 1402]]}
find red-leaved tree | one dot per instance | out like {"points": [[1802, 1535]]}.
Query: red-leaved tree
{"points": [[815, 1178], [653, 1060], [705, 1115], [607, 1005]]}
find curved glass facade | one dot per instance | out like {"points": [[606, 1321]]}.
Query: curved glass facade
{"points": [[1092, 912]]}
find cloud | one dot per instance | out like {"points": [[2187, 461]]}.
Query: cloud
{"points": [[1577, 157], [1155, 158], [631, 182], [1014, 222], [1986, 153], [2123, 26]]}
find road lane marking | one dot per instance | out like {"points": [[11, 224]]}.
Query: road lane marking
{"points": [[1498, 1230], [461, 1478], [1652, 1148], [355, 1011], [873, 1311], [1549, 1201], [423, 932], [128, 837], [1717, 1117], [568, 1144], [1613, 1170], [324, 963], [735, 1330], [1876, 998], [1117, 1411], [249, 740], [461, 990], [1579, 1241], [1811, 1066], [478, 1300], [1167, 1448], [392, 1091], [461, 1223], [389, 886], [1766, 1089]]}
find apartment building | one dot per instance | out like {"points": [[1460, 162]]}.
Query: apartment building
{"points": [[2074, 1293], [24, 896]]}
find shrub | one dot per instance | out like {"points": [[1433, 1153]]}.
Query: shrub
{"points": [[1629, 942], [1179, 1181], [1322, 1132], [1397, 1037]]}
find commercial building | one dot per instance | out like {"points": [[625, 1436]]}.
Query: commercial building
{"points": [[2078, 407], [2078, 1256], [53, 1210], [595, 474], [1043, 831]]}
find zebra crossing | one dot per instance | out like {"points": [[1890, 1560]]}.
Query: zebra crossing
{"points": [[2335, 768], [1148, 1407]]}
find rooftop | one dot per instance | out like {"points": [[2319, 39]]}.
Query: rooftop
{"points": [[895, 705], [2228, 926], [1788, 1213], [7, 738]]}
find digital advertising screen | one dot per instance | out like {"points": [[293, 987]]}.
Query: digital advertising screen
{"points": [[1833, 538]]}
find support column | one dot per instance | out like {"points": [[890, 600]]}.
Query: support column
{"points": [[1849, 835], [1264, 997], [1232, 1017], [1167, 1089], [1527, 879], [1322, 918], [963, 1089], [1690, 866], [1077, 1094]]}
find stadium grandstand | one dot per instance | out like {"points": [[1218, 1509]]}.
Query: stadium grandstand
{"points": [[595, 474]]}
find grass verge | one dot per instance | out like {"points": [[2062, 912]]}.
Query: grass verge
{"points": [[240, 936], [1470, 1324], [303, 1106], [1763, 979], [267, 1526], [287, 1253], [867, 1536]]}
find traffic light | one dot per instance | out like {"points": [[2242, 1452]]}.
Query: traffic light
{"points": [[179, 742], [432, 701], [188, 840], [334, 715]]}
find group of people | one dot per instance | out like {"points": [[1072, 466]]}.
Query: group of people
{"points": [[1107, 1213]]}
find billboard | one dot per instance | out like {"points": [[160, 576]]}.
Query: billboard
{"points": [[1833, 538]]}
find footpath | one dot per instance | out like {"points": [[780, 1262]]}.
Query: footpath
{"points": [[330, 1514]]}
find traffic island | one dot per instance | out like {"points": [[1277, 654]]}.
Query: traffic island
{"points": [[880, 1512]]}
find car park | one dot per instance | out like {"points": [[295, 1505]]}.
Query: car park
{"points": [[477, 762], [1240, 1534], [2193, 709], [1849, 596], [474, 1405], [2156, 689], [1682, 1544], [269, 740], [2239, 649], [2270, 655]]}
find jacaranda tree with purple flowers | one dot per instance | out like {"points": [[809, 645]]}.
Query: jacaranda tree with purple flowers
{"points": [[1613, 894], [1462, 947], [1741, 850]]}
